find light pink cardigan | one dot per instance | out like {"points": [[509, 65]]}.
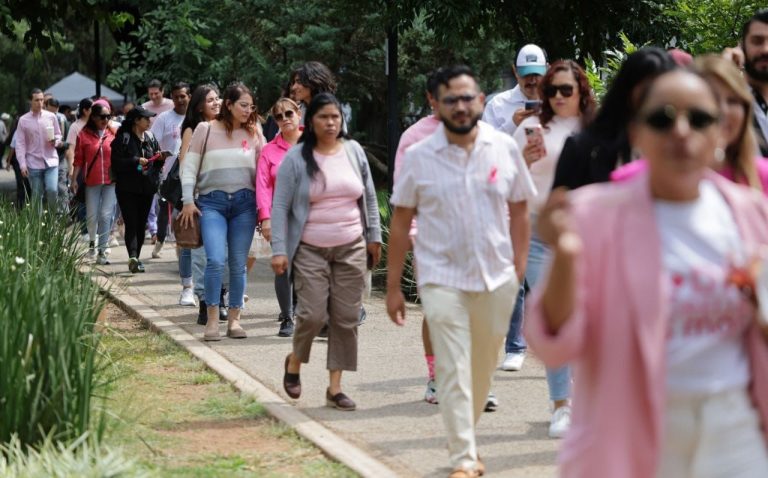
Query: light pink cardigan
{"points": [[616, 337]]}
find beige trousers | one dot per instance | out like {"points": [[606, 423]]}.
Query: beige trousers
{"points": [[714, 436], [467, 330], [329, 284]]}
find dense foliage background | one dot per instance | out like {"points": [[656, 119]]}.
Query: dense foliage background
{"points": [[260, 41]]}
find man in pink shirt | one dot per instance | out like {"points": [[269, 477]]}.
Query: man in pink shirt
{"points": [[37, 136], [157, 102]]}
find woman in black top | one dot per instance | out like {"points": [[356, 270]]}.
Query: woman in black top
{"points": [[136, 164], [590, 156]]}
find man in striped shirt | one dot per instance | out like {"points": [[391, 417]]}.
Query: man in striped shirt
{"points": [[469, 186]]}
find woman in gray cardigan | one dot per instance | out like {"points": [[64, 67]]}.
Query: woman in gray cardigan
{"points": [[325, 230]]}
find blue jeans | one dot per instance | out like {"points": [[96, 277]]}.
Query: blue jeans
{"points": [[228, 221], [539, 255], [45, 181], [185, 267], [515, 343], [100, 207]]}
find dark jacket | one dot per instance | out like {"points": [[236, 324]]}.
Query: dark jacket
{"points": [[127, 149], [588, 159]]}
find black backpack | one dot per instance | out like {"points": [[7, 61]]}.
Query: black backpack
{"points": [[170, 189]]}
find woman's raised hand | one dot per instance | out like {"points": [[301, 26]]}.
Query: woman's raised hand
{"points": [[188, 213]]}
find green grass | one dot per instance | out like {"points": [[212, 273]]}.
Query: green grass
{"points": [[178, 419]]}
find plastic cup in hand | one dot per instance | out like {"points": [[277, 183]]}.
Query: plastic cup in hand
{"points": [[49, 131]]}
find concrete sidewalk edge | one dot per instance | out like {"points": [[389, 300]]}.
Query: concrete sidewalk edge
{"points": [[329, 442]]}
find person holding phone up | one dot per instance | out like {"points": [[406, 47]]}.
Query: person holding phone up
{"points": [[136, 164], [568, 105]]}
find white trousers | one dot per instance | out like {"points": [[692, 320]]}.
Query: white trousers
{"points": [[467, 330], [715, 436]]}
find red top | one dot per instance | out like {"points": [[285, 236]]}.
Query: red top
{"points": [[89, 146]]}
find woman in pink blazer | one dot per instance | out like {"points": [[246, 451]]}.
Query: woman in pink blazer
{"points": [[670, 361]]}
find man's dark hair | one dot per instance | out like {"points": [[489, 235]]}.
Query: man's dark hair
{"points": [[155, 83], [52, 102], [35, 91], [180, 86], [85, 104], [432, 83], [761, 16], [444, 75], [315, 76]]}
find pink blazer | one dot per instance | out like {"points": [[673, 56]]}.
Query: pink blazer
{"points": [[615, 339]]}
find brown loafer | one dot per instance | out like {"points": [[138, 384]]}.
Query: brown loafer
{"points": [[339, 401], [291, 381]]}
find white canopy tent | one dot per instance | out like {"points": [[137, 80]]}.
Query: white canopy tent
{"points": [[73, 88]]}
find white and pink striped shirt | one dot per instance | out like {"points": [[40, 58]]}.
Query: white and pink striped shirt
{"points": [[461, 201]]}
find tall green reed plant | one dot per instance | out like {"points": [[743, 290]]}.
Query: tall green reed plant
{"points": [[408, 284], [48, 345]]}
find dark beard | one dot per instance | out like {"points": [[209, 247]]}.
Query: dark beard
{"points": [[754, 73], [462, 129]]}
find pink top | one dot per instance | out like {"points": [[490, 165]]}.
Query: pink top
{"points": [[33, 150], [266, 172], [415, 133], [334, 217], [630, 170], [617, 336]]}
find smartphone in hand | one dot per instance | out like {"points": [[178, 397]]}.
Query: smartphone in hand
{"points": [[533, 134], [533, 105]]}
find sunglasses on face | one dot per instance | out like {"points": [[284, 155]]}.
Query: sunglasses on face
{"points": [[664, 118], [550, 91], [104, 117], [287, 114], [454, 100]]}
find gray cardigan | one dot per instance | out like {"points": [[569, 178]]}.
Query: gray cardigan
{"points": [[290, 204]]}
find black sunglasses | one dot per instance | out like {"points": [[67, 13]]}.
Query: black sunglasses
{"points": [[665, 117], [287, 114], [550, 91], [104, 117]]}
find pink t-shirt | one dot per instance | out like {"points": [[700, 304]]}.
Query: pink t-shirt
{"points": [[334, 216]]}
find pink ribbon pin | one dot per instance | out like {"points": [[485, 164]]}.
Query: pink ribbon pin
{"points": [[245, 146], [493, 176]]}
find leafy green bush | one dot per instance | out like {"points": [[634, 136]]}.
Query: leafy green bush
{"points": [[48, 346], [83, 458], [380, 273]]}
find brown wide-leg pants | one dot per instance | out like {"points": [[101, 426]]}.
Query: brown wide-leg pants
{"points": [[329, 284]]}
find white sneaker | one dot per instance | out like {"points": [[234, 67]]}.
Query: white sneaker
{"points": [[113, 241], [513, 362], [560, 422], [108, 251], [85, 238], [187, 297], [156, 251]]}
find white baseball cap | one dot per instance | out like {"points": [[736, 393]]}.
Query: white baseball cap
{"points": [[531, 61], [5, 116]]}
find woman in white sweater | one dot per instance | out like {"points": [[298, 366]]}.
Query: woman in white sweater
{"points": [[568, 105]]}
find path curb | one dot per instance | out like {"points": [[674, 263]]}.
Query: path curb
{"points": [[332, 444]]}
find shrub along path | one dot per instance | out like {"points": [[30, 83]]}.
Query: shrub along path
{"points": [[392, 422]]}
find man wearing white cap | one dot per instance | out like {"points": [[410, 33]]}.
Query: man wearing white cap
{"points": [[508, 109], [505, 112]]}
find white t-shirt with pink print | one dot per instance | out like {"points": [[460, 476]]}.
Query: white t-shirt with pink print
{"points": [[708, 315]]}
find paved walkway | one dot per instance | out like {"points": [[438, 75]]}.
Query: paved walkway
{"points": [[392, 422]]}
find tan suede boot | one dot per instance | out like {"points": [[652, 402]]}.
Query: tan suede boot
{"points": [[234, 330], [211, 333]]}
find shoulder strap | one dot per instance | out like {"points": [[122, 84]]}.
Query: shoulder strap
{"points": [[98, 150]]}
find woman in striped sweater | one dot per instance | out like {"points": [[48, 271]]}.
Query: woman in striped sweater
{"points": [[221, 165]]}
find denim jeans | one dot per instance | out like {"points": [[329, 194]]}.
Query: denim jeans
{"points": [[63, 183], [45, 181], [152, 218], [228, 220], [539, 255], [198, 272], [185, 267], [515, 343], [100, 206]]}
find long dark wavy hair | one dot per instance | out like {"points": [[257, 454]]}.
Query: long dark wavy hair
{"points": [[308, 139], [233, 93], [586, 97], [194, 114]]}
